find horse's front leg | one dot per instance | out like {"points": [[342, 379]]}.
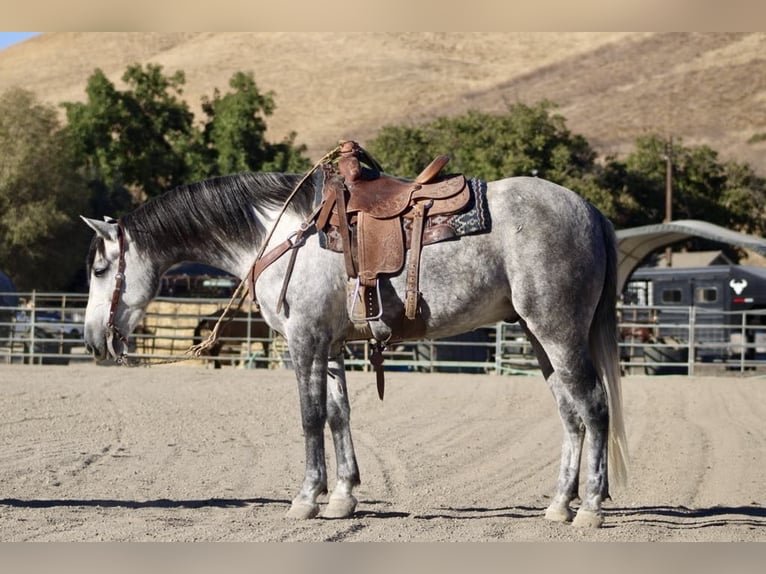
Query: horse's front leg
{"points": [[342, 502], [310, 360]]}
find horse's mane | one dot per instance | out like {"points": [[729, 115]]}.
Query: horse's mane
{"points": [[218, 211]]}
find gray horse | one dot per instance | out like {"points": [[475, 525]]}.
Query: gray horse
{"points": [[549, 262]]}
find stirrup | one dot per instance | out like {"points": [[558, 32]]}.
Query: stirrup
{"points": [[355, 297]]}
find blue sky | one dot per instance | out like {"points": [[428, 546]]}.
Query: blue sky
{"points": [[10, 38]]}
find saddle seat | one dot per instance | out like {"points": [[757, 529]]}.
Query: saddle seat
{"points": [[383, 196]]}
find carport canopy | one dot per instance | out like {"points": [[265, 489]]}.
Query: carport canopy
{"points": [[636, 243]]}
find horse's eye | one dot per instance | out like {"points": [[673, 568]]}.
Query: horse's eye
{"points": [[99, 271]]}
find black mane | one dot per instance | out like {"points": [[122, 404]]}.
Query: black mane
{"points": [[217, 211]]}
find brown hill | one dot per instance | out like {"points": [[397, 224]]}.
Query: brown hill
{"points": [[703, 88]]}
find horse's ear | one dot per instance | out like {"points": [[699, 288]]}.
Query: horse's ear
{"points": [[106, 229]]}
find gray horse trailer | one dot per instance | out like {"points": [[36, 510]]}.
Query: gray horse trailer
{"points": [[715, 309]]}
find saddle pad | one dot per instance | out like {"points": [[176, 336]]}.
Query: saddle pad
{"points": [[475, 218]]}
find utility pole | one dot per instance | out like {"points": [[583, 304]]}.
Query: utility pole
{"points": [[668, 194]]}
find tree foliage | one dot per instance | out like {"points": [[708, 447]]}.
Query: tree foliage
{"points": [[41, 193], [137, 139], [119, 147], [144, 139], [524, 141], [725, 193], [234, 134]]}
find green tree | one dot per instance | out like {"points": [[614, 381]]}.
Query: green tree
{"points": [[234, 135], [42, 240], [140, 142], [525, 140], [743, 196], [138, 139], [118, 149], [725, 193]]}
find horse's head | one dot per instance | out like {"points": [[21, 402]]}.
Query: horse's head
{"points": [[122, 283]]}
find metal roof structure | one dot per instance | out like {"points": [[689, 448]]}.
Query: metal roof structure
{"points": [[636, 243]]}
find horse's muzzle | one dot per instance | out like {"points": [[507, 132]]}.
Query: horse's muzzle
{"points": [[98, 352], [95, 345]]}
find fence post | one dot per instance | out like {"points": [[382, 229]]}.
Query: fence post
{"points": [[743, 348], [431, 350], [692, 342], [499, 332], [32, 326]]}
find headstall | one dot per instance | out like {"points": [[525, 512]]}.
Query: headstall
{"points": [[111, 328]]}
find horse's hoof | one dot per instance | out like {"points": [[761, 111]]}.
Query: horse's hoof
{"points": [[588, 519], [559, 513], [340, 507], [302, 510]]}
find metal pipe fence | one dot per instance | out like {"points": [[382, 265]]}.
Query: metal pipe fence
{"points": [[47, 328]]}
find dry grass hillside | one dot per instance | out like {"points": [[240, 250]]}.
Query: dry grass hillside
{"points": [[703, 88]]}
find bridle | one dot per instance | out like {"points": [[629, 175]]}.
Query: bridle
{"points": [[111, 329]]}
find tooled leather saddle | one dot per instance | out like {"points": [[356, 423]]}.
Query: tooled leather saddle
{"points": [[374, 219]]}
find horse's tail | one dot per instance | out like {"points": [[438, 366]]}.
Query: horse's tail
{"points": [[605, 352]]}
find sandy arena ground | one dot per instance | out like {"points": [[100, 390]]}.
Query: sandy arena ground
{"points": [[188, 453]]}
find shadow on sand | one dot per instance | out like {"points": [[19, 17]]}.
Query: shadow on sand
{"points": [[159, 503], [676, 517]]}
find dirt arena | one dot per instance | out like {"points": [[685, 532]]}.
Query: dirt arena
{"points": [[188, 453]]}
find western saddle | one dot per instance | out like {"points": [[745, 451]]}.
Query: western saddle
{"points": [[377, 217]]}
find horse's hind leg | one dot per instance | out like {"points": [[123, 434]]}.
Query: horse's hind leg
{"points": [[583, 409], [571, 449], [587, 401], [569, 471], [342, 502]]}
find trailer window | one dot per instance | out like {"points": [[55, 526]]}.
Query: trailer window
{"points": [[670, 296], [706, 294]]}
